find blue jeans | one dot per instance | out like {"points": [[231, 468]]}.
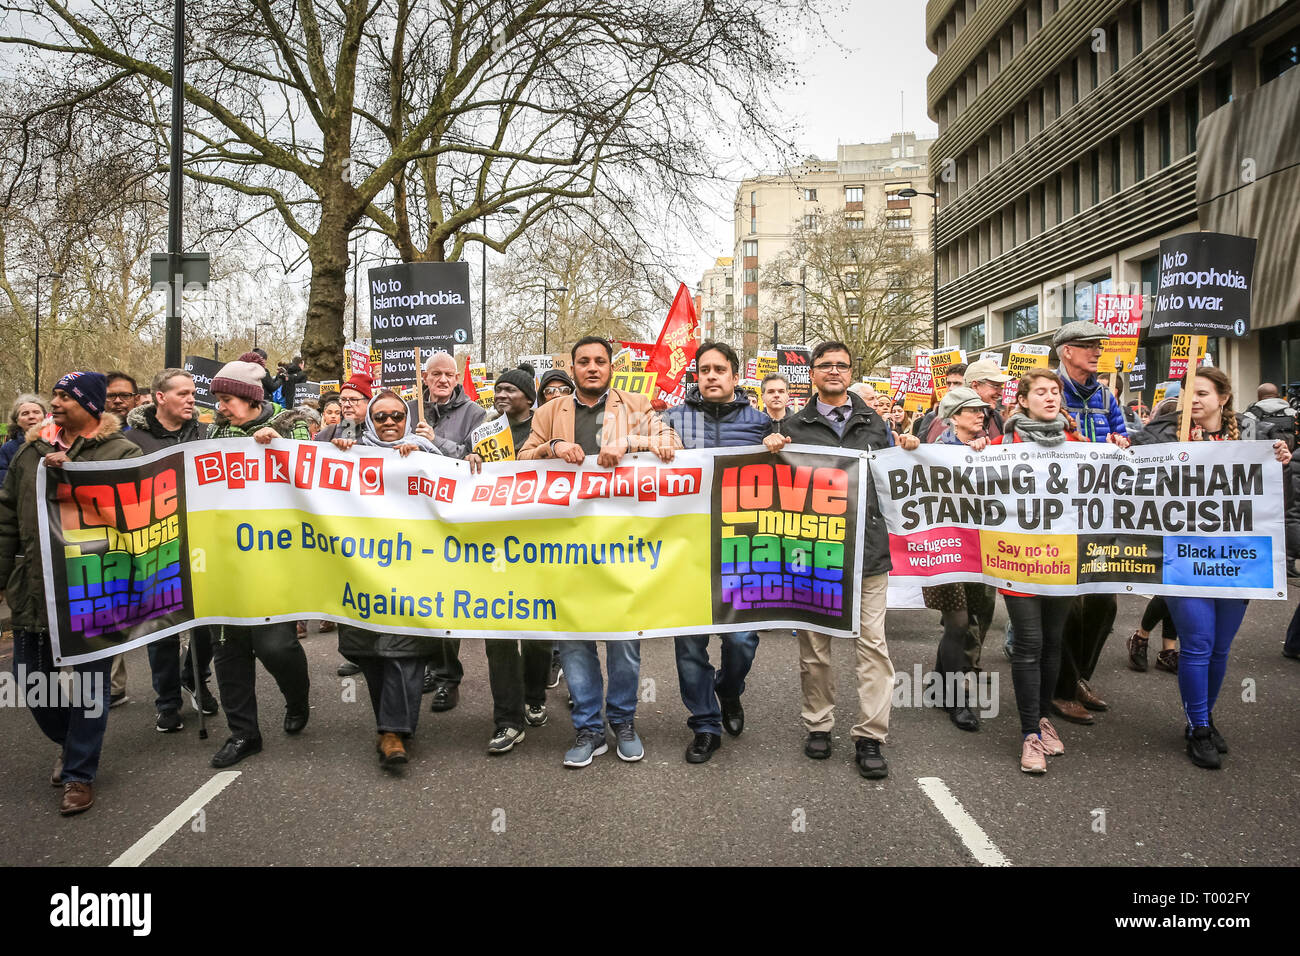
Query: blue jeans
{"points": [[1206, 627], [701, 686], [582, 671], [77, 727]]}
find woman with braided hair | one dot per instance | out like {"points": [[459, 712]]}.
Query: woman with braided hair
{"points": [[1206, 625]]}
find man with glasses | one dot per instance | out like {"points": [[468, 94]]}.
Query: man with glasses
{"points": [[1100, 419], [121, 397], [839, 419], [450, 417], [554, 384]]}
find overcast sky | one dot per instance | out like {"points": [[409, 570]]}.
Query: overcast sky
{"points": [[846, 95]]}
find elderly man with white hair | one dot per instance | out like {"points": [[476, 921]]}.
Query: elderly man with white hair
{"points": [[450, 417]]}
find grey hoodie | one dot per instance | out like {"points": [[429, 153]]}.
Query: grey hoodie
{"points": [[451, 421]]}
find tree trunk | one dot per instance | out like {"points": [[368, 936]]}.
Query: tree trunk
{"points": [[322, 338]]}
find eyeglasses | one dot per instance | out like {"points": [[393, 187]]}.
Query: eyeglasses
{"points": [[352, 401], [832, 367], [382, 417], [556, 390], [1088, 346], [120, 396]]}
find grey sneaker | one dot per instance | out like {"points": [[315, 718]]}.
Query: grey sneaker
{"points": [[589, 744], [629, 744], [504, 740], [535, 716]]}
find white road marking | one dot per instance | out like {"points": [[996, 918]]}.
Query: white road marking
{"points": [[976, 840], [151, 841]]}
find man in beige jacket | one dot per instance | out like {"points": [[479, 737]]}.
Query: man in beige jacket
{"points": [[608, 423]]}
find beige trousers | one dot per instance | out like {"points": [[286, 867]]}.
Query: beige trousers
{"points": [[875, 671]]}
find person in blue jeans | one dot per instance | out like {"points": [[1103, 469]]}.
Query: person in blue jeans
{"points": [[715, 414], [1206, 625], [607, 424]]}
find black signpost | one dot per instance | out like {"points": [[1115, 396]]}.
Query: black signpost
{"points": [[423, 305]]}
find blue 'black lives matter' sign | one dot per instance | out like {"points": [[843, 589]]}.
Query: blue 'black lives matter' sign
{"points": [[1204, 285]]}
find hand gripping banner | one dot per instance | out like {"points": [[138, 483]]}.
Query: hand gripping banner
{"points": [[1199, 519], [233, 532]]}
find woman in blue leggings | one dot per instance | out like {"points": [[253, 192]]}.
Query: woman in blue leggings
{"points": [[1206, 625]]}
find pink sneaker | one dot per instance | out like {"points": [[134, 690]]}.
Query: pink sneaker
{"points": [[1051, 739], [1033, 757]]}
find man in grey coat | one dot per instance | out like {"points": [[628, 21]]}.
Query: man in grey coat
{"points": [[452, 416]]}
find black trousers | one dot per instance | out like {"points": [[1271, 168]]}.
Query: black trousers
{"points": [[445, 660], [235, 654], [395, 685], [1036, 653], [1157, 612], [169, 670], [1087, 626], [517, 672]]}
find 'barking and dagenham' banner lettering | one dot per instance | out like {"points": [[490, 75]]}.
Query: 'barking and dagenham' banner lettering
{"points": [[233, 532], [1201, 519]]}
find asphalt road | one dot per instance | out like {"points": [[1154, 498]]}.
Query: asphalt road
{"points": [[322, 799]]}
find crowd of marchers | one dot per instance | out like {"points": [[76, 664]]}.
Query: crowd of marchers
{"points": [[1054, 643]]}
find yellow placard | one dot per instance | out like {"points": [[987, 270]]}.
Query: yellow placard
{"points": [[640, 383], [493, 440], [1180, 351], [939, 363], [1021, 358], [1024, 558]]}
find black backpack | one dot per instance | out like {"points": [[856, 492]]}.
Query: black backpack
{"points": [[1280, 424]]}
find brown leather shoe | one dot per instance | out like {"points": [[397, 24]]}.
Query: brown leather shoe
{"points": [[56, 777], [391, 750], [77, 798], [1071, 710], [1086, 697]]}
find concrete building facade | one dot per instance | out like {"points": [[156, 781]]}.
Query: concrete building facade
{"points": [[1073, 138]]}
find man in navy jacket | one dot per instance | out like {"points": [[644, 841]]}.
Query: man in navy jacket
{"points": [[716, 414]]}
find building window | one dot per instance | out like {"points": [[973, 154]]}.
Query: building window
{"points": [[1223, 86], [1074, 81], [728, 282], [852, 306], [1191, 113], [852, 222], [972, 336], [851, 280], [1114, 165], [750, 275], [1060, 213], [1139, 152], [753, 225], [730, 300], [751, 300], [1137, 28], [1093, 72], [900, 223], [1094, 162], [810, 221], [1162, 16], [751, 248], [1042, 208], [853, 194], [1279, 56], [1076, 192], [1165, 133], [1017, 323], [753, 198], [1056, 98], [1079, 307], [810, 195]]}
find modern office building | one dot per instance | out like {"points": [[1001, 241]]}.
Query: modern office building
{"points": [[860, 185], [715, 303], [1075, 134]]}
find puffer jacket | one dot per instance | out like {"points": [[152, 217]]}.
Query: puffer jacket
{"points": [[1093, 407], [147, 432], [290, 423], [21, 570], [865, 430], [1164, 428], [701, 424], [452, 421]]}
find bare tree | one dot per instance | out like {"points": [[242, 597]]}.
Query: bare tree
{"points": [[867, 287], [418, 120]]}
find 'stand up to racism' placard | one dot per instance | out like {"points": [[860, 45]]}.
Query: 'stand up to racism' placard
{"points": [[1200, 518]]}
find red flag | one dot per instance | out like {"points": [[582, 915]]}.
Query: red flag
{"points": [[468, 384], [675, 350]]}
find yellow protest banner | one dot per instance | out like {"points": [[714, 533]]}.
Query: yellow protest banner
{"points": [[493, 441], [940, 360], [1180, 351], [1021, 358], [487, 395], [622, 361], [642, 383], [765, 365]]}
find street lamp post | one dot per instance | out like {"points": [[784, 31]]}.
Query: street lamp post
{"points": [[804, 287], [910, 193], [36, 351], [509, 211], [546, 290]]}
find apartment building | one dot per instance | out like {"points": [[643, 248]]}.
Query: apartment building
{"points": [[715, 302], [1074, 135], [859, 185]]}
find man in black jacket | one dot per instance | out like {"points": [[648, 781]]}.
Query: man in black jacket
{"points": [[837, 418], [170, 421]]}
